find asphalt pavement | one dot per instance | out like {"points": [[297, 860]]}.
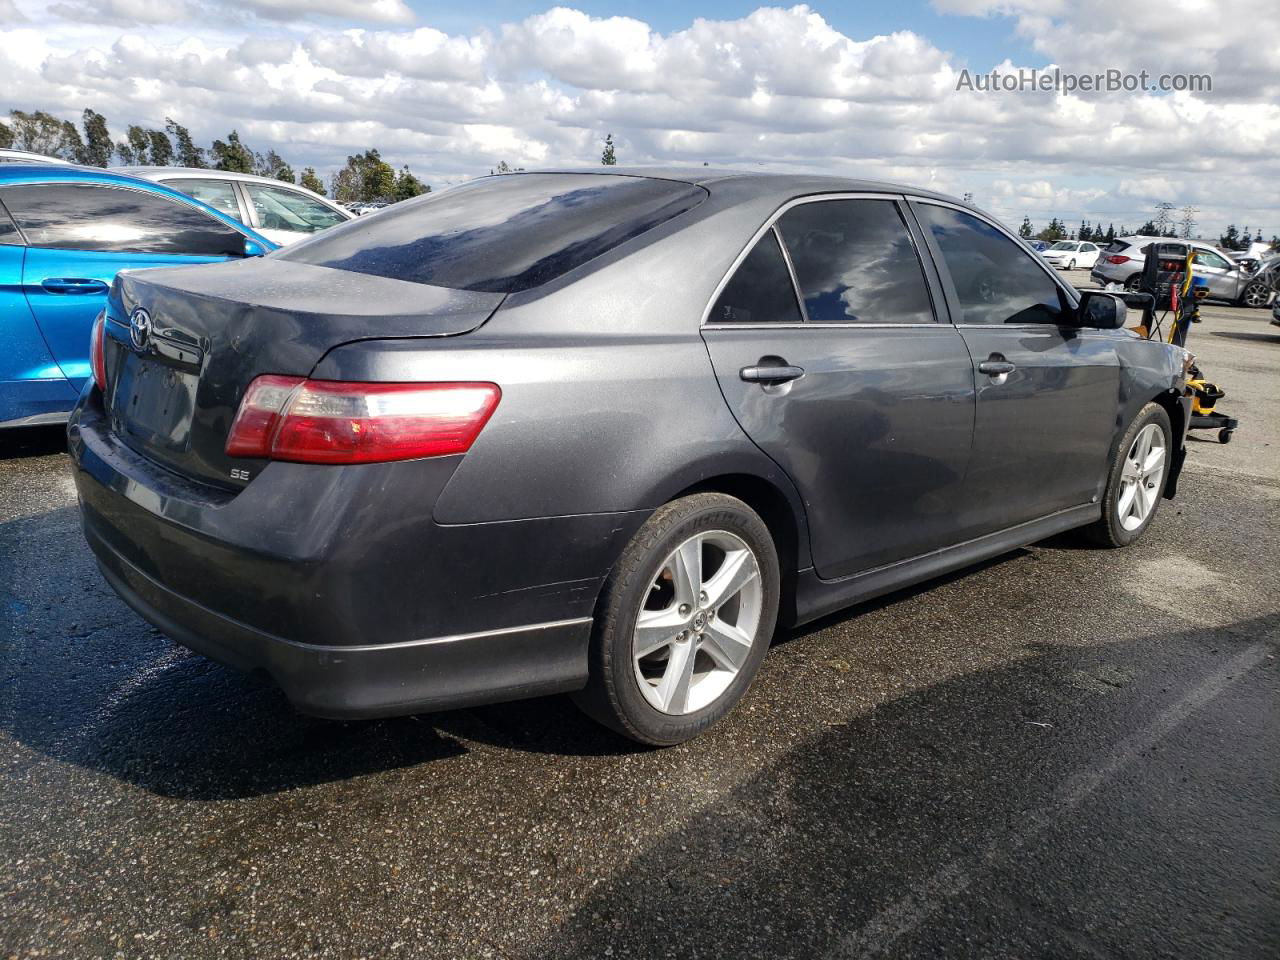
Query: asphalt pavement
{"points": [[1063, 752]]}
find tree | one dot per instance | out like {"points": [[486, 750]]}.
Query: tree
{"points": [[311, 181], [1054, 232], [188, 154], [161, 148], [1084, 232], [6, 136], [136, 147], [1231, 239], [231, 155], [608, 158], [42, 132], [97, 140], [1111, 233], [272, 165], [1148, 229], [407, 185], [1025, 231], [366, 178]]}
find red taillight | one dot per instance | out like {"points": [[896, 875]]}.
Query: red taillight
{"points": [[1117, 258], [324, 421], [97, 353]]}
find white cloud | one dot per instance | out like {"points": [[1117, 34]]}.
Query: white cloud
{"points": [[776, 89], [9, 13]]}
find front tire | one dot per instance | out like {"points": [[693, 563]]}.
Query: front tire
{"points": [[1135, 484], [1071, 264], [1256, 294], [684, 620]]}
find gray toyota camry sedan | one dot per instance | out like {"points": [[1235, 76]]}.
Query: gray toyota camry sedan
{"points": [[600, 432]]}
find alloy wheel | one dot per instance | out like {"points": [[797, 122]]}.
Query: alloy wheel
{"points": [[1256, 294], [698, 623], [1142, 477]]}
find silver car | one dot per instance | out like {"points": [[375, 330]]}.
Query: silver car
{"points": [[282, 212], [1122, 261], [25, 156]]}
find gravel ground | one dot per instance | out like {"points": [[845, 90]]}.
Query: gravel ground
{"points": [[1061, 752]]}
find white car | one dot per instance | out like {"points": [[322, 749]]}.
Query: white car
{"points": [[1072, 254], [24, 156], [282, 212]]}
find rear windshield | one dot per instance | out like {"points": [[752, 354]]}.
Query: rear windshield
{"points": [[501, 234]]}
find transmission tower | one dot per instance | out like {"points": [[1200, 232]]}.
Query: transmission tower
{"points": [[1164, 218], [1187, 224]]}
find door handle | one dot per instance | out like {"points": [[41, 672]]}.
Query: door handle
{"points": [[996, 367], [73, 285], [771, 373]]}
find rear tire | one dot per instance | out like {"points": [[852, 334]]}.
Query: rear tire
{"points": [[1136, 481], [701, 580]]}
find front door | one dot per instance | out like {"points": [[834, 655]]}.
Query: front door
{"points": [[855, 389], [1047, 392]]}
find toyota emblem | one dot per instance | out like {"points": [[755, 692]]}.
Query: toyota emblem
{"points": [[140, 328]]}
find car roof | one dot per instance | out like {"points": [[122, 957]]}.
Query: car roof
{"points": [[8, 155], [204, 173], [20, 173], [761, 182]]}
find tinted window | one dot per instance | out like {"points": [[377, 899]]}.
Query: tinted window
{"points": [[8, 232], [855, 263], [500, 234], [116, 220], [995, 279], [760, 290], [282, 209], [218, 194]]}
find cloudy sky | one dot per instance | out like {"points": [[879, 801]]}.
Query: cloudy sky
{"points": [[452, 89]]}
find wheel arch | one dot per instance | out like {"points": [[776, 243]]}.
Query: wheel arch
{"points": [[782, 514]]}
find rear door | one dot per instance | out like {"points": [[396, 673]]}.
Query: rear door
{"points": [[1048, 393], [855, 389], [80, 235]]}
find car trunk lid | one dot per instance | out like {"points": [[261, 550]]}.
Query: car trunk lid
{"points": [[185, 343]]}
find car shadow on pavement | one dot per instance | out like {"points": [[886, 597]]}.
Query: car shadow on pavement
{"points": [[1248, 337], [986, 815], [17, 442]]}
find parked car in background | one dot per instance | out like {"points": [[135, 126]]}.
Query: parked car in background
{"points": [[1071, 254], [281, 212], [23, 156], [360, 209], [65, 232], [1123, 259], [1039, 246], [730, 400]]}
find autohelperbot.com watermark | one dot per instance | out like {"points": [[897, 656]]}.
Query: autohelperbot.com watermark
{"points": [[1032, 79]]}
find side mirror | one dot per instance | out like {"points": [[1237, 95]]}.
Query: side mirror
{"points": [[252, 248], [1102, 311]]}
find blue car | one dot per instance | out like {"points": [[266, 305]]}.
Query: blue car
{"points": [[1039, 246], [65, 232]]}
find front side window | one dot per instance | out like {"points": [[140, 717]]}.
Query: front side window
{"points": [[855, 262], [1208, 258], [75, 216], [995, 280], [219, 194], [500, 234], [279, 208], [760, 290]]}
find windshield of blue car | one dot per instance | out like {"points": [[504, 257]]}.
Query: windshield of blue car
{"points": [[500, 234]]}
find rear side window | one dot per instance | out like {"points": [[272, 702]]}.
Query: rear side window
{"points": [[116, 220], [500, 234], [995, 280], [760, 290], [855, 262], [218, 194]]}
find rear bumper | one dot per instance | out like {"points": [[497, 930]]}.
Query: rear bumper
{"points": [[371, 680], [337, 582]]}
